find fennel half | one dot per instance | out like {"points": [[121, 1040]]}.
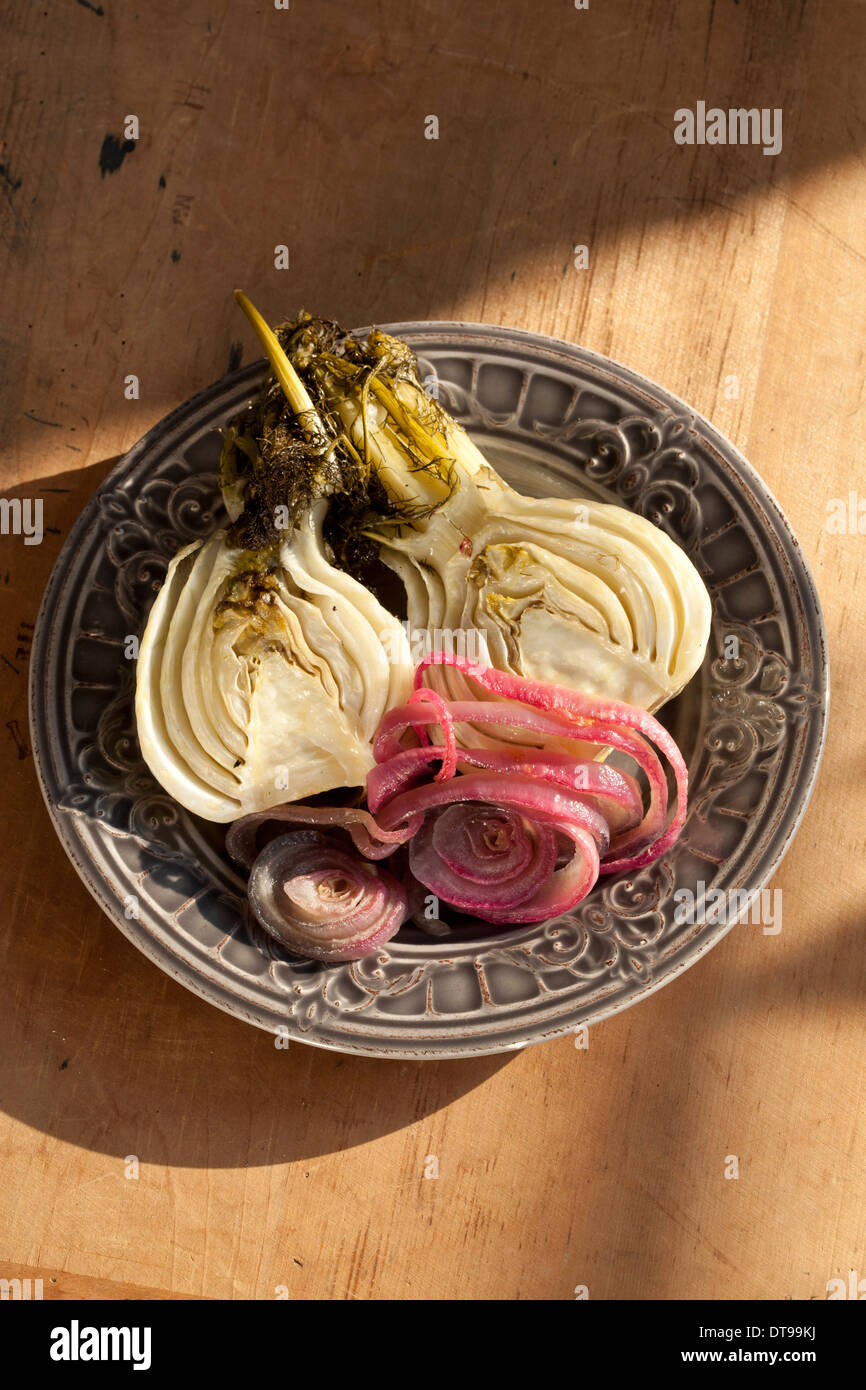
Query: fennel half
{"points": [[262, 677]]}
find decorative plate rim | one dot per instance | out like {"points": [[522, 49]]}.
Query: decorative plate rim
{"points": [[536, 348]]}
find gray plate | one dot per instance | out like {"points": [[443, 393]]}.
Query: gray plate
{"points": [[557, 420]]}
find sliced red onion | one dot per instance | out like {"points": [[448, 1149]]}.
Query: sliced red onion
{"points": [[509, 714], [404, 769], [447, 725], [510, 833], [499, 713], [612, 792], [495, 881], [482, 858], [565, 888], [530, 796], [588, 714], [321, 902], [485, 844]]}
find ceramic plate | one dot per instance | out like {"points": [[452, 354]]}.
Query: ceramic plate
{"points": [[556, 420]]}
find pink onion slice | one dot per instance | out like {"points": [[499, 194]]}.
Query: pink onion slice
{"points": [[510, 714], [367, 835], [611, 792], [449, 757], [564, 889], [486, 844], [524, 864], [401, 771], [320, 902], [533, 895], [587, 714], [529, 795]]}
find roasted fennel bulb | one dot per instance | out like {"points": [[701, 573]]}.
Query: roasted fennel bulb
{"points": [[579, 593]]}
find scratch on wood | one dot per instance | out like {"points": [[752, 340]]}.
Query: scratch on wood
{"points": [[12, 185], [37, 420], [17, 738]]}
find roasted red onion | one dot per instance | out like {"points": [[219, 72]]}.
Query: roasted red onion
{"points": [[509, 832], [592, 719], [322, 902], [489, 860]]}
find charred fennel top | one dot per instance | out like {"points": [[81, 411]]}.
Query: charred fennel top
{"points": [[277, 463]]}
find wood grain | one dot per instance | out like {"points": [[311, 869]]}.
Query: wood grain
{"points": [[263, 1170]]}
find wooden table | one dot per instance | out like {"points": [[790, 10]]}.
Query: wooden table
{"points": [[265, 1172]]}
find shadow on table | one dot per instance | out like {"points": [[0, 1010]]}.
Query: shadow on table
{"points": [[655, 1233], [117, 1058], [113, 1056], [99, 1047]]}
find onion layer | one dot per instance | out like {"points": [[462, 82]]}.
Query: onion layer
{"points": [[368, 837], [488, 860]]}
